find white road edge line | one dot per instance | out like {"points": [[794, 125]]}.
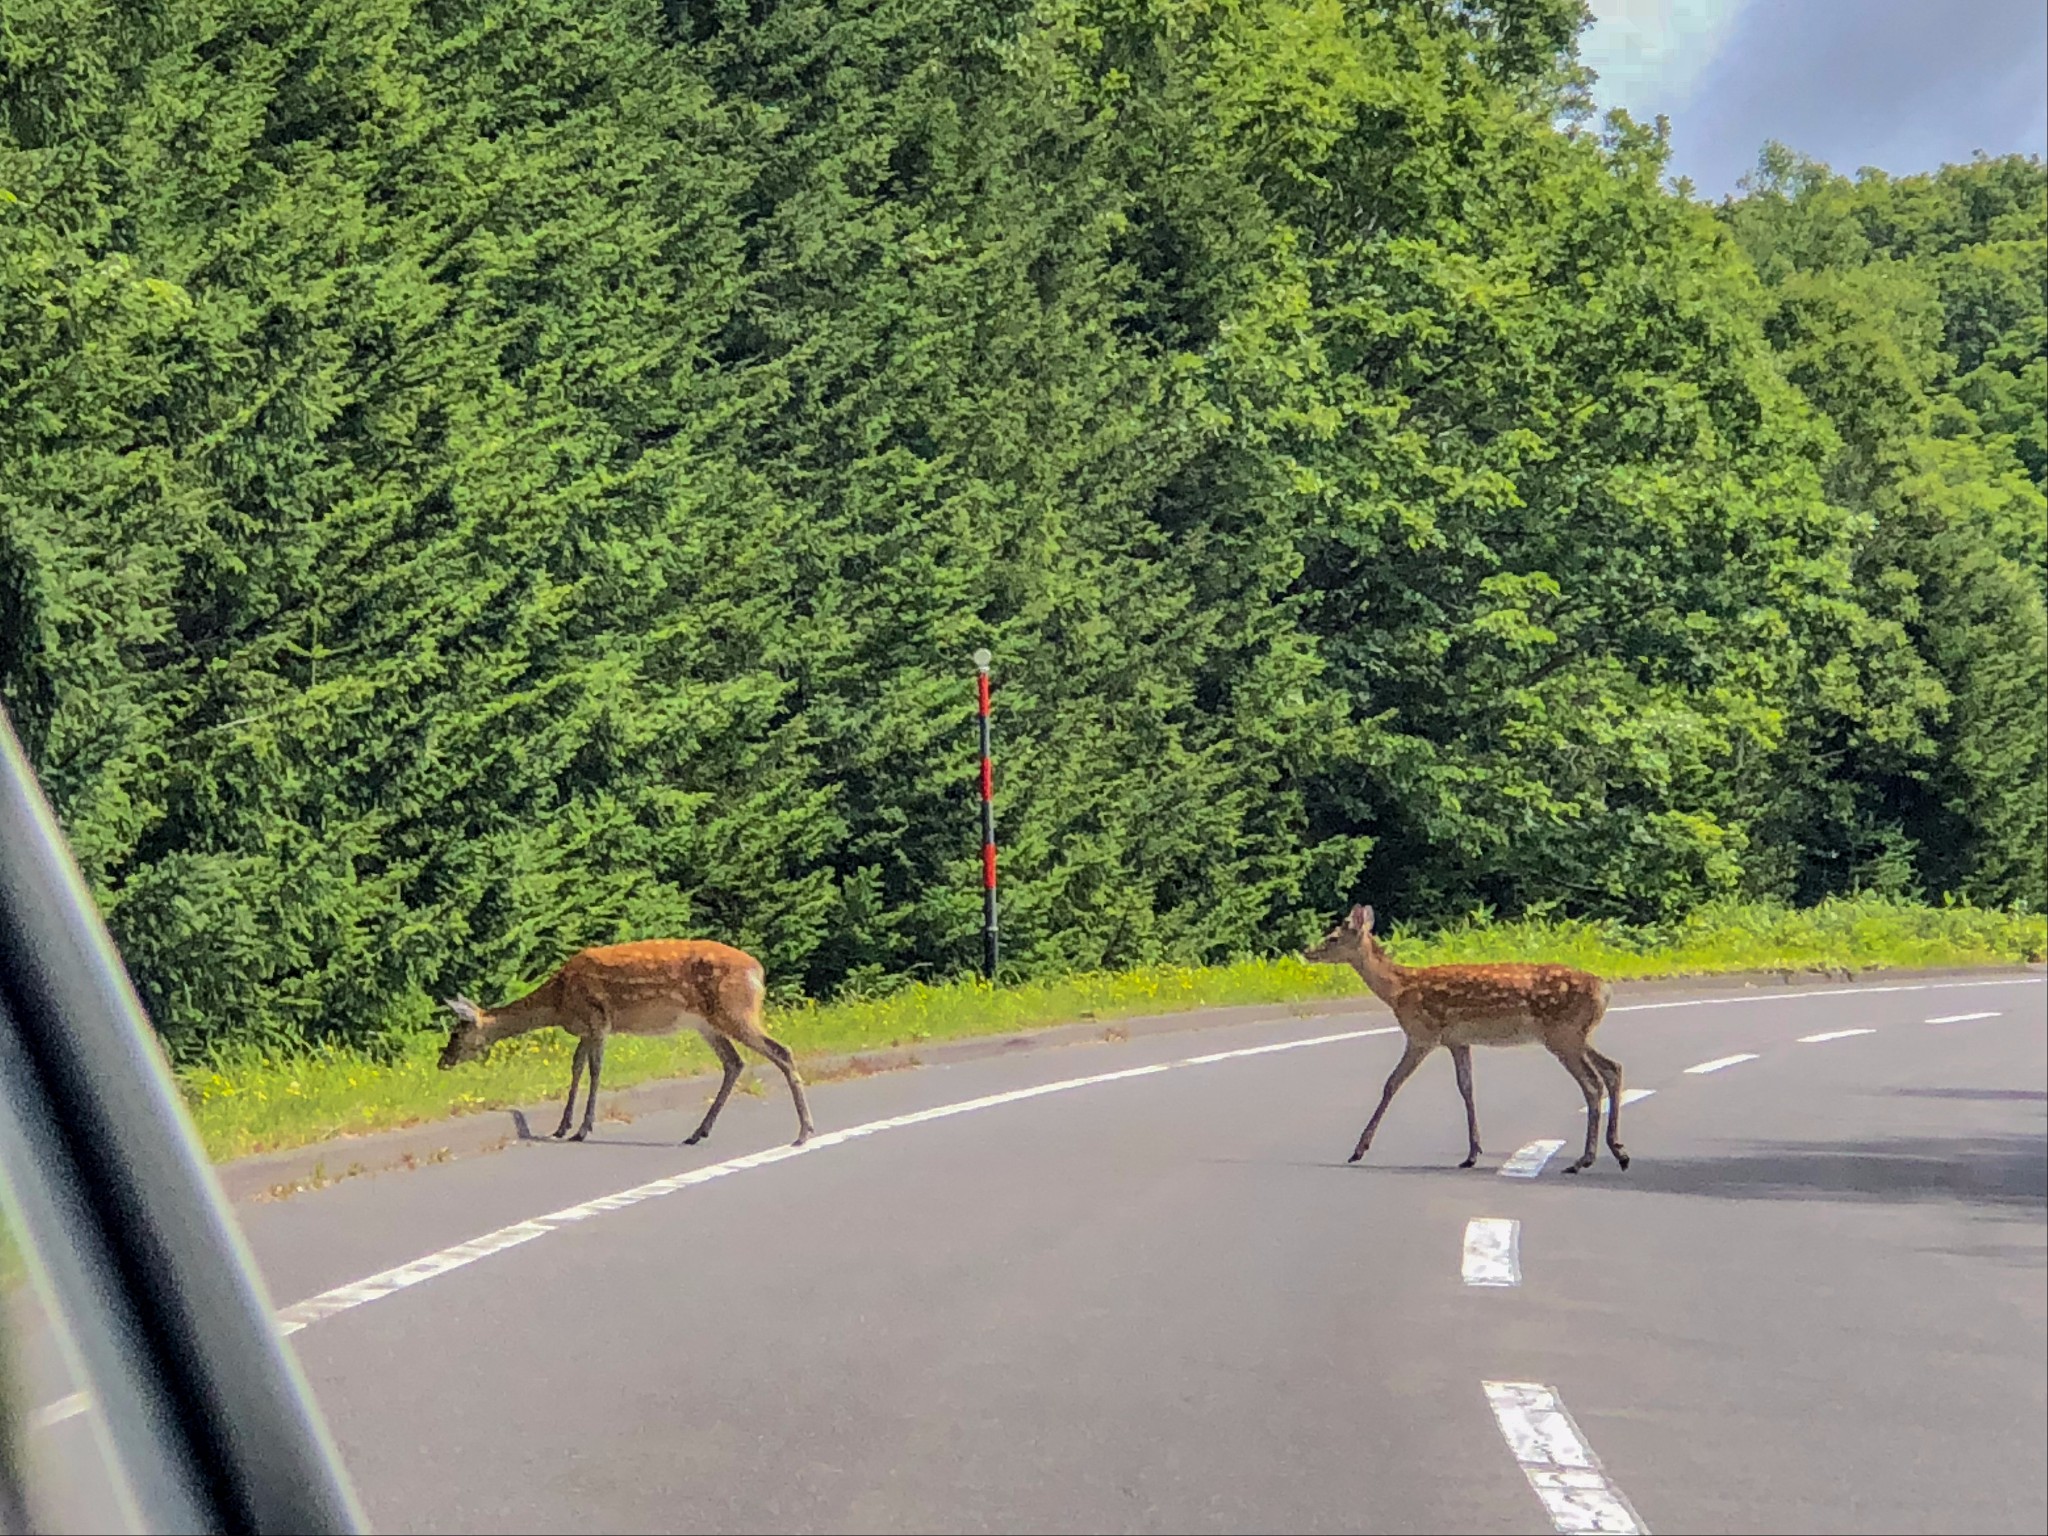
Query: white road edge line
{"points": [[1492, 1251], [344, 1298], [1560, 1466], [373, 1288], [1833, 1034], [1722, 1061], [1525, 1164], [1529, 1161], [1784, 997], [1963, 1018]]}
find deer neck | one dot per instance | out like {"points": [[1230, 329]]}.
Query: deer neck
{"points": [[1380, 974], [537, 1010]]}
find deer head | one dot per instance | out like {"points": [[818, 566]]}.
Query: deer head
{"points": [[466, 1041], [1346, 944]]}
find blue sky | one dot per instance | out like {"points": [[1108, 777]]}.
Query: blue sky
{"points": [[1904, 85]]}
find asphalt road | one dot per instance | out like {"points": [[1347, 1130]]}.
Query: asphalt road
{"points": [[1814, 1302]]}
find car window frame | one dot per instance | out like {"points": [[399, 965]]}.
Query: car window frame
{"points": [[208, 1415]]}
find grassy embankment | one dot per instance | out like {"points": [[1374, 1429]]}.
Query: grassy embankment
{"points": [[247, 1103]]}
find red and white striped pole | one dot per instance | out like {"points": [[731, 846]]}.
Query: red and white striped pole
{"points": [[989, 948]]}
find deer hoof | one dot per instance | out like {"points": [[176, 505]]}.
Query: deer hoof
{"points": [[558, 1132], [581, 1135], [1469, 1161], [1620, 1156], [691, 1141]]}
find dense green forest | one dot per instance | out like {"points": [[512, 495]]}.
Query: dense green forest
{"points": [[480, 477]]}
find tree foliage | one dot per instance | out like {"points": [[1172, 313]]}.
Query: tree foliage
{"points": [[1913, 313], [486, 478]]}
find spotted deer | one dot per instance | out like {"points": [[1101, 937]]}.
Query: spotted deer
{"points": [[1460, 1006], [656, 987]]}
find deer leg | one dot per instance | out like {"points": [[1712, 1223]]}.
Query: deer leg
{"points": [[590, 1103], [1461, 1058], [778, 1053], [575, 1077], [1403, 1070], [1589, 1084], [1610, 1072], [729, 1059]]}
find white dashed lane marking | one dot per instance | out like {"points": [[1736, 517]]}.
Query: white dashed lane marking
{"points": [[1560, 1466], [1962, 1018], [1529, 1161], [1722, 1061], [1833, 1034], [1492, 1254]]}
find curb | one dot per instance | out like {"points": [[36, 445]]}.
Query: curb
{"points": [[278, 1175]]}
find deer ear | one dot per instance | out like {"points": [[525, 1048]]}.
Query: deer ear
{"points": [[1361, 919]]}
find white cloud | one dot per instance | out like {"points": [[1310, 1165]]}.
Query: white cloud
{"points": [[1651, 55]]}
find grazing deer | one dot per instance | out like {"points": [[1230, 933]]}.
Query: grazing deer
{"points": [[1460, 1006], [657, 987]]}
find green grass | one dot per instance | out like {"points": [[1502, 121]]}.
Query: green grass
{"points": [[249, 1103]]}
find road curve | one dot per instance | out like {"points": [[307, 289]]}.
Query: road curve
{"points": [[1160, 1299]]}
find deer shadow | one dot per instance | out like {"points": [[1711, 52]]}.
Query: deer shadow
{"points": [[523, 1131], [2003, 1174], [2006, 1173]]}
